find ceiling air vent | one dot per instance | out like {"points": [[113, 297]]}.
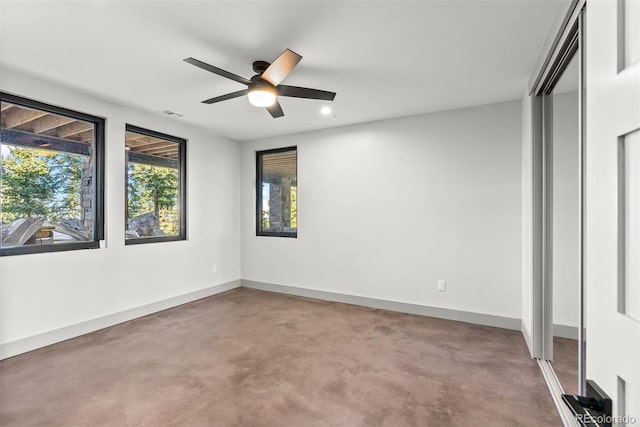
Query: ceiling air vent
{"points": [[172, 113]]}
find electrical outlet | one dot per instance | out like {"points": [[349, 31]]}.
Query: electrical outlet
{"points": [[214, 268], [442, 285]]}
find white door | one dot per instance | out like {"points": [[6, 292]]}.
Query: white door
{"points": [[612, 221]]}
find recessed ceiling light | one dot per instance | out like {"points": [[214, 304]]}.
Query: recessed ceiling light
{"points": [[325, 110]]}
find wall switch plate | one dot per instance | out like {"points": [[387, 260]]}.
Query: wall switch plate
{"points": [[214, 268], [442, 285]]}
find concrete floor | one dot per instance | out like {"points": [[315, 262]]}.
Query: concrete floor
{"points": [[254, 358]]}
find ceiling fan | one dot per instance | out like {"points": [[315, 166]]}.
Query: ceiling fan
{"points": [[264, 87]]}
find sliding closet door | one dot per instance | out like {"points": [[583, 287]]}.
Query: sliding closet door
{"points": [[564, 188], [558, 140]]}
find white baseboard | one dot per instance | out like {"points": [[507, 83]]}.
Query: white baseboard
{"points": [[24, 345], [402, 307], [564, 331]]}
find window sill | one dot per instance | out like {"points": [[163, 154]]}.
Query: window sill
{"points": [[277, 234], [143, 240], [40, 249]]}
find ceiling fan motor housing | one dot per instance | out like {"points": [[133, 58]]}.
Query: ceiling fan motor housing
{"points": [[260, 66], [257, 83]]}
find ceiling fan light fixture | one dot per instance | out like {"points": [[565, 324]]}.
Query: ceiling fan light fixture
{"points": [[262, 96]]}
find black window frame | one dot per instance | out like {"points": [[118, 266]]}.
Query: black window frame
{"points": [[182, 187], [259, 155], [98, 179]]}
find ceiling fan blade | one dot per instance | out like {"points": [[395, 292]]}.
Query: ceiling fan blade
{"points": [[216, 70], [225, 97], [305, 92], [281, 67], [275, 110]]}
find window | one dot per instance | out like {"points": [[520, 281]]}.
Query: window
{"points": [[277, 192], [156, 179], [51, 174]]}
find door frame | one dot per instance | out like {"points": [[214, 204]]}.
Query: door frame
{"points": [[568, 42]]}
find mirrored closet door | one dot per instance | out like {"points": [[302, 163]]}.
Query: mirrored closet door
{"points": [[563, 163]]}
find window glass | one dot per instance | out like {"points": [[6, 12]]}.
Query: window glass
{"points": [[155, 179], [48, 177], [277, 190]]}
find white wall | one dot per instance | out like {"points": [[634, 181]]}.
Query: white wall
{"points": [[566, 210], [43, 292], [388, 208]]}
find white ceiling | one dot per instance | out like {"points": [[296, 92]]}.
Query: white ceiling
{"points": [[383, 58]]}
